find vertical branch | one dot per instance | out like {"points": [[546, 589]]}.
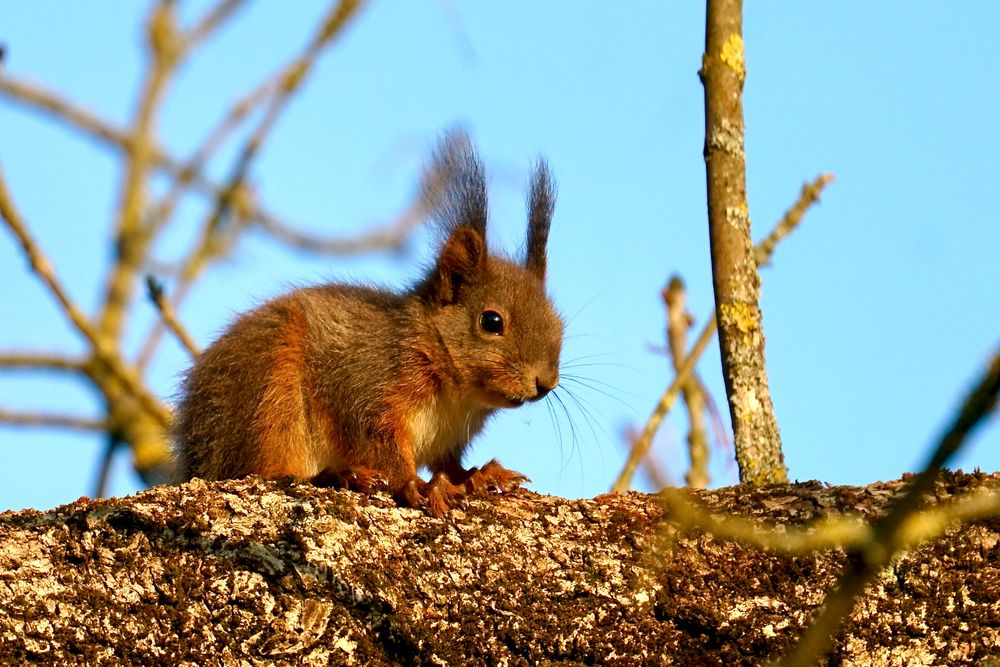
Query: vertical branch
{"points": [[734, 269], [679, 320], [132, 241]]}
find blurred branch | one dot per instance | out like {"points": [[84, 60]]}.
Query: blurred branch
{"points": [[838, 532], [211, 242], [645, 440], [763, 254], [291, 78], [102, 347], [214, 19], [155, 290], [33, 95], [131, 238], [792, 218], [51, 420], [390, 236], [679, 320], [34, 361], [891, 532]]}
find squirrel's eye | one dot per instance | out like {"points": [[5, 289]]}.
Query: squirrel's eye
{"points": [[491, 322]]}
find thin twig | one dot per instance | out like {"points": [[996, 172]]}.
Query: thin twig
{"points": [[188, 174], [211, 22], [645, 440], [107, 459], [155, 290], [37, 361], [102, 347], [292, 78], [33, 95], [43, 419], [390, 236], [792, 218], [131, 240], [234, 191], [679, 320], [763, 254], [891, 531]]}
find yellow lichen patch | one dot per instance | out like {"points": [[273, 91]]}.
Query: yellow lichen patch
{"points": [[732, 55], [740, 314]]}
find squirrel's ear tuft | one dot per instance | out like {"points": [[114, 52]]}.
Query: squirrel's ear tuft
{"points": [[541, 203], [454, 185], [461, 262]]}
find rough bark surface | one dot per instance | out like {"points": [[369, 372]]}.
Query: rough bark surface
{"points": [[253, 572]]}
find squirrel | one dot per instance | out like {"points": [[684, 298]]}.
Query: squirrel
{"points": [[358, 387]]}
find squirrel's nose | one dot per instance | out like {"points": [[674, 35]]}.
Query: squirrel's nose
{"points": [[545, 384]]}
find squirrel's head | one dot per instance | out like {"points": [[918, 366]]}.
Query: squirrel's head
{"points": [[492, 316]]}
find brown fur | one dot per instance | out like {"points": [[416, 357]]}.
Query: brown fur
{"points": [[360, 387]]}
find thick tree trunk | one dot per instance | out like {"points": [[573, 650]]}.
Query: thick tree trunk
{"points": [[251, 572]]}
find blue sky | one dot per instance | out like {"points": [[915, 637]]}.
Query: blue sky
{"points": [[878, 312]]}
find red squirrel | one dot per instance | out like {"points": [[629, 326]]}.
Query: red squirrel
{"points": [[358, 387]]}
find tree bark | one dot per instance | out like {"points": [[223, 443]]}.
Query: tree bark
{"points": [[734, 268], [251, 572]]}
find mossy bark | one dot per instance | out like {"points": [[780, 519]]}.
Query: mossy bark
{"points": [[252, 572]]}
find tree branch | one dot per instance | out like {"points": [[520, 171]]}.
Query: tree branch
{"points": [[131, 237], [102, 347], [734, 271], [211, 22], [891, 532], [43, 419], [210, 241], [38, 361], [156, 295], [763, 253], [679, 320]]}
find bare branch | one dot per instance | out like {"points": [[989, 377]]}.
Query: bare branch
{"points": [[890, 532], [793, 216], [211, 240], [37, 361], [33, 95], [156, 295], [104, 471], [131, 239], [387, 237], [212, 21], [101, 345], [642, 445], [679, 320], [52, 421], [734, 271]]}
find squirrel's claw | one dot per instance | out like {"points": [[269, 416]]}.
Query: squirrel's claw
{"points": [[442, 495], [494, 478], [356, 478]]}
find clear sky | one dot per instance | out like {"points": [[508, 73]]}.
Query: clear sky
{"points": [[879, 311]]}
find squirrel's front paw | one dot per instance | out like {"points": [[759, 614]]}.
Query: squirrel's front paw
{"points": [[493, 478]]}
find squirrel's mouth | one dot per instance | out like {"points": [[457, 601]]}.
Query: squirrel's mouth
{"points": [[499, 399]]}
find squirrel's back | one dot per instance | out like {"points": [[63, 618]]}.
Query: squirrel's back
{"points": [[291, 356]]}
